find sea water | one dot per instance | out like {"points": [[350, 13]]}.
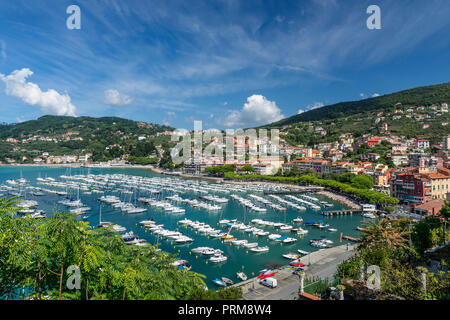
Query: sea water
{"points": [[239, 258]]}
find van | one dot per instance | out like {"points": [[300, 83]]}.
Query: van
{"points": [[269, 282]]}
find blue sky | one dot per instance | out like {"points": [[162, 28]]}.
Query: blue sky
{"points": [[227, 63]]}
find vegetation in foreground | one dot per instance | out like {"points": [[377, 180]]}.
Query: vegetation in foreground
{"points": [[401, 250], [35, 255]]}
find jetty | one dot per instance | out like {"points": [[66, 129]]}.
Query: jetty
{"points": [[351, 238], [340, 212]]}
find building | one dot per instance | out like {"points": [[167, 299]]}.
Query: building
{"points": [[430, 208], [399, 158], [320, 166], [446, 142], [374, 141], [422, 144], [439, 185], [411, 188]]}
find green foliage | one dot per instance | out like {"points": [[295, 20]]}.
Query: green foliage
{"points": [[417, 96], [445, 210], [232, 293], [35, 254], [106, 138], [142, 160], [221, 170], [422, 236], [362, 181], [248, 168], [371, 196]]}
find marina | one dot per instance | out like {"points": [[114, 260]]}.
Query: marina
{"points": [[222, 230]]}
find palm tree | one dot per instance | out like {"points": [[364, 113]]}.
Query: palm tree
{"points": [[382, 231], [8, 205]]}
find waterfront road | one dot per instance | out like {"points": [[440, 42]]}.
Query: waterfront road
{"points": [[323, 265]]}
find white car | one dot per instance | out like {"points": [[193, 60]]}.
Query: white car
{"points": [[269, 282]]}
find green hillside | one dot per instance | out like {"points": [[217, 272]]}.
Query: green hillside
{"points": [[425, 96], [105, 138]]}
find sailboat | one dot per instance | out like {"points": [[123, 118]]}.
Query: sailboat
{"points": [[105, 223]]}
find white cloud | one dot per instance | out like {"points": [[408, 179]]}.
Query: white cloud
{"points": [[316, 105], [300, 111], [115, 98], [50, 101], [257, 111], [170, 116], [375, 95]]}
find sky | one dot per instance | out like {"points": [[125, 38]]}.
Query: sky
{"points": [[228, 63]]}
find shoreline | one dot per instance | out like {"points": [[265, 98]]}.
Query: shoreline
{"points": [[332, 195]]}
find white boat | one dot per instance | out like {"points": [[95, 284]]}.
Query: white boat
{"points": [[274, 236], [218, 258], [260, 249], [241, 276], [289, 240], [250, 244], [239, 242], [200, 249], [291, 256]]}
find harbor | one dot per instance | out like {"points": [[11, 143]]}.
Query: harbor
{"points": [[218, 229]]}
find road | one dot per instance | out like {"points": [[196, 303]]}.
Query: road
{"points": [[323, 265]]}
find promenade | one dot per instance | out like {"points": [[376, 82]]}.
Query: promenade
{"points": [[323, 265]]}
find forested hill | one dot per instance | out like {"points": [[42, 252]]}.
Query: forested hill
{"points": [[420, 96], [54, 125], [105, 138]]}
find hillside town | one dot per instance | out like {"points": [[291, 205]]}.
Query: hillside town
{"points": [[414, 170]]}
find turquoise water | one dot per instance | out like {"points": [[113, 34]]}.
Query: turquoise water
{"points": [[239, 258]]}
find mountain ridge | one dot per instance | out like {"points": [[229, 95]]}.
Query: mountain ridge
{"points": [[423, 95]]}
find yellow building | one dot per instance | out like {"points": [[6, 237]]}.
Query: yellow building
{"points": [[440, 185]]}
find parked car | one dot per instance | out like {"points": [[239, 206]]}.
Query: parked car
{"points": [[269, 282]]}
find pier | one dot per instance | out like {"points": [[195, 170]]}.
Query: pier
{"points": [[340, 212], [351, 238]]}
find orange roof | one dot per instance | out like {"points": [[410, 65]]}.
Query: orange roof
{"points": [[437, 176], [309, 296]]}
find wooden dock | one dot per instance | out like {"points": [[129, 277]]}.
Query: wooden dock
{"points": [[340, 212], [351, 238]]}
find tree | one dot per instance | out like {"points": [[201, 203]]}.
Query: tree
{"points": [[445, 210], [362, 181], [422, 236], [247, 169], [382, 231]]}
